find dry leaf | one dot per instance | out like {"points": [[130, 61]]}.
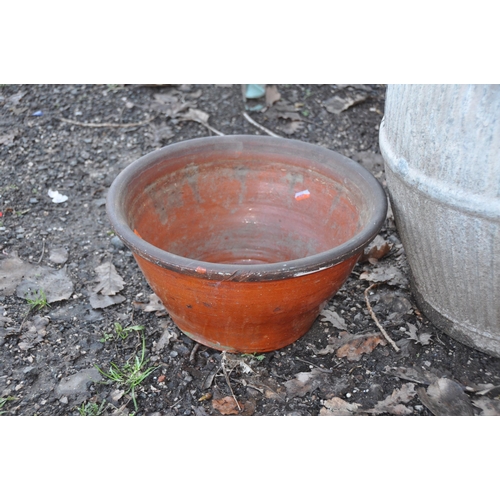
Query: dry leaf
{"points": [[305, 382], [268, 387], [162, 342], [489, 407], [56, 285], [361, 344], [169, 104], [377, 249], [195, 115], [12, 272], [338, 407], [352, 347], [292, 127], [333, 318], [446, 397], [390, 274], [272, 95], [154, 304], [423, 338], [98, 301], [110, 282], [393, 403], [226, 406], [338, 104]]}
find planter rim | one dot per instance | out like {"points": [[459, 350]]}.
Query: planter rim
{"points": [[247, 272]]}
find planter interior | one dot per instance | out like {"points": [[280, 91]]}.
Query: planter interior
{"points": [[245, 238]]}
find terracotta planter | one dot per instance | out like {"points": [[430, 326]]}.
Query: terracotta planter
{"points": [[244, 238]]}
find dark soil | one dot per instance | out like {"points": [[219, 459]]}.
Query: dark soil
{"points": [[49, 355]]}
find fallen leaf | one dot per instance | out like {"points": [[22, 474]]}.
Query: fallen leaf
{"points": [[445, 397], [154, 304], [226, 406], [110, 282], [377, 249], [98, 301], [169, 104], [393, 403], [338, 104], [483, 389], [55, 284], [390, 274], [338, 407], [163, 341], [12, 272], [162, 133], [423, 338], [195, 115], [333, 318], [167, 326], [305, 382], [359, 345], [352, 346], [489, 407], [292, 127], [233, 361], [272, 95], [248, 408]]}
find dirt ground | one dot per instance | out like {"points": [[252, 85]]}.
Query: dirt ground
{"points": [[81, 333]]}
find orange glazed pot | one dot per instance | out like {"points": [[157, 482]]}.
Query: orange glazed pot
{"points": [[245, 238]]}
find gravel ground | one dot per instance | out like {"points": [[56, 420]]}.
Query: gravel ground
{"points": [[68, 347]]}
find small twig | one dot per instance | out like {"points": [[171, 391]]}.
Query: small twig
{"points": [[193, 352], [177, 402], [259, 126], [372, 314], [104, 125], [214, 130], [325, 370], [222, 362], [43, 251]]}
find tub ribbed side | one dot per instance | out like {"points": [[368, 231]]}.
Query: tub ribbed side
{"points": [[441, 146]]}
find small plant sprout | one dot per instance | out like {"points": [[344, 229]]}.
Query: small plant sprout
{"points": [[121, 333], [3, 401], [91, 409], [39, 300], [132, 374], [258, 357]]}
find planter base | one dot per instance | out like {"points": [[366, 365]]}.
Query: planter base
{"points": [[480, 340]]}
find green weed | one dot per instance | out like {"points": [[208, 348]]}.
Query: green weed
{"points": [[120, 332], [258, 357], [3, 401], [130, 375], [39, 302], [91, 409]]}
